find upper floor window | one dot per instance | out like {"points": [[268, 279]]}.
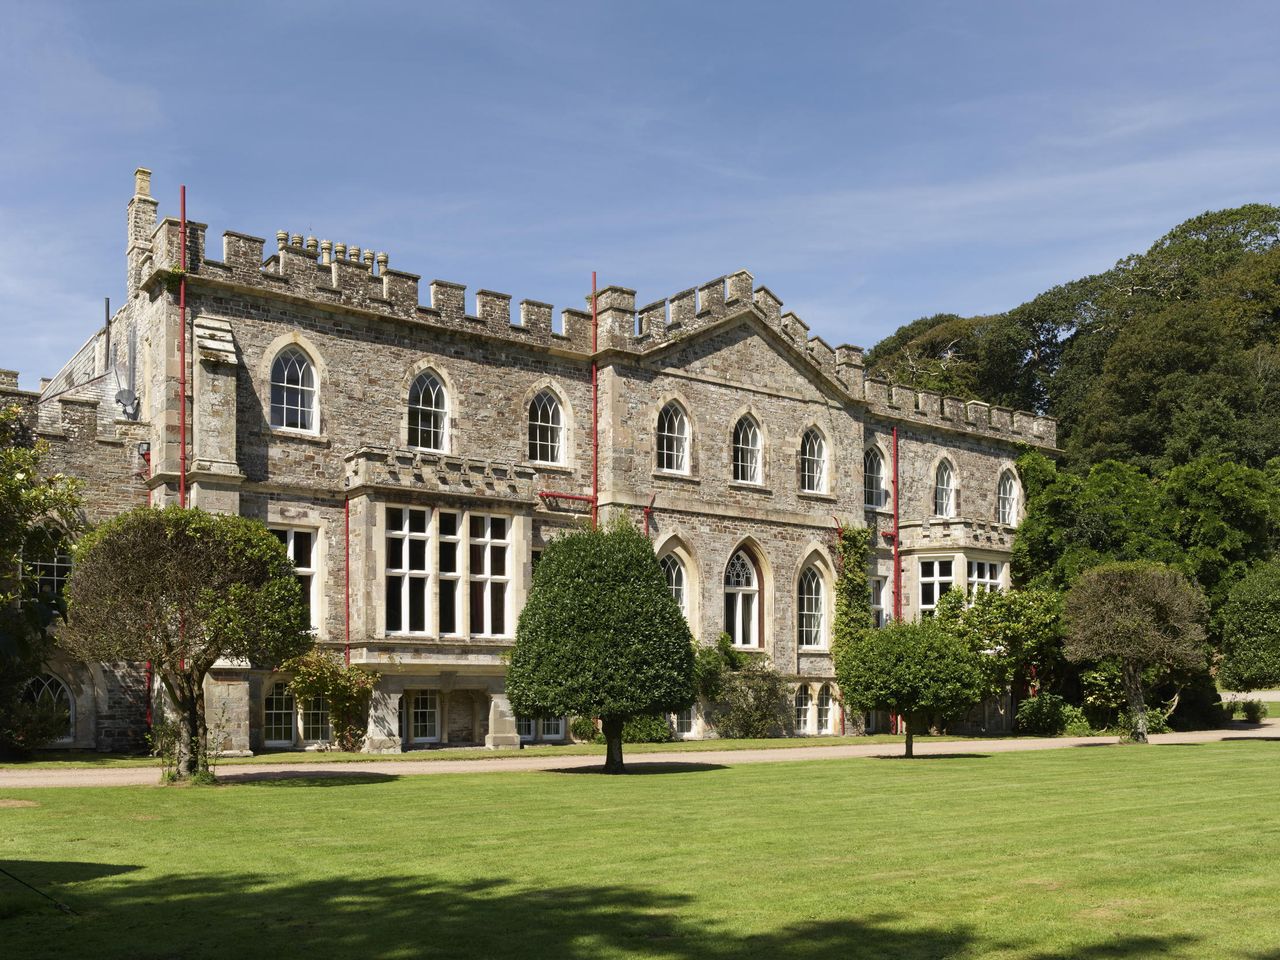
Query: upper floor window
{"points": [[936, 578], [673, 569], [746, 451], [545, 428], [1007, 499], [873, 492], [301, 547], [741, 598], [983, 577], [809, 609], [878, 613], [673, 439], [813, 462], [944, 491], [293, 391], [428, 412]]}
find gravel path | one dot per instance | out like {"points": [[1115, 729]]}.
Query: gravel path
{"points": [[147, 776]]}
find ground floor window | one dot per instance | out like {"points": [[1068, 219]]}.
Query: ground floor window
{"points": [[936, 578], [524, 727], [424, 718], [877, 601], [279, 718], [983, 577], [684, 722], [47, 692], [824, 709], [803, 700], [548, 728], [553, 728], [315, 720]]}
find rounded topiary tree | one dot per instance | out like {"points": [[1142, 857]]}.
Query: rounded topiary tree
{"points": [[601, 636], [183, 589], [913, 669], [1142, 614], [1251, 630]]}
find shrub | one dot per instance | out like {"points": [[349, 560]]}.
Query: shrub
{"points": [[1043, 716], [1251, 630], [1254, 710], [655, 728], [1077, 724], [753, 702], [320, 673], [583, 729]]}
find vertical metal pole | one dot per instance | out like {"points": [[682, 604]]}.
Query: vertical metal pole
{"points": [[182, 350], [595, 409]]}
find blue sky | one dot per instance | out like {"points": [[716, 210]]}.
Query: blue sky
{"points": [[869, 162]]}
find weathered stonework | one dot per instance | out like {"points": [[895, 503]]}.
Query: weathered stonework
{"points": [[721, 351]]}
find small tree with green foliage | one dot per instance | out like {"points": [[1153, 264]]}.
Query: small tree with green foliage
{"points": [[1144, 615], [913, 669], [183, 589], [322, 673], [38, 514], [601, 636], [1251, 630], [1018, 633]]}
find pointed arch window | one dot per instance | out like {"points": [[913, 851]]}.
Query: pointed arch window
{"points": [[673, 439], [428, 412], [741, 601], [813, 462], [803, 701], [1007, 499], [944, 491], [293, 391], [873, 489], [673, 570], [546, 430], [746, 451], [50, 695], [824, 709], [809, 610]]}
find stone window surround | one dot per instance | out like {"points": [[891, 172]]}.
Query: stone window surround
{"points": [[451, 397], [676, 544], [825, 485], [816, 559], [300, 707], [568, 434], [319, 367], [761, 481]]}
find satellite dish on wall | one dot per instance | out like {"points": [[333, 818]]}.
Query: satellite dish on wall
{"points": [[128, 401]]}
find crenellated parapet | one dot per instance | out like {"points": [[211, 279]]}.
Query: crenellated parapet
{"points": [[345, 275], [905, 403], [402, 470]]}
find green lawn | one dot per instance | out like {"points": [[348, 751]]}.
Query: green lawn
{"points": [[73, 759], [1107, 851]]}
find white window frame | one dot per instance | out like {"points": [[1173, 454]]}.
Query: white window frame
{"points": [[672, 447], [802, 706], [551, 728], [878, 611], [684, 722], [318, 706], [298, 400], [411, 578], [813, 462], [932, 579], [739, 594], [874, 494], [747, 451], [825, 711], [811, 601], [546, 428], [944, 490], [983, 576], [308, 572], [428, 412], [484, 579], [430, 709], [1007, 499], [292, 713], [525, 728], [677, 580]]}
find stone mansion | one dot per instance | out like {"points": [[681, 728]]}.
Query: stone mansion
{"points": [[415, 451]]}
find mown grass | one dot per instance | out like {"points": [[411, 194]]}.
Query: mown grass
{"points": [[1112, 851], [74, 759]]}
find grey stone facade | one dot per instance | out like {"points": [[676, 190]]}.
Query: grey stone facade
{"points": [[721, 352]]}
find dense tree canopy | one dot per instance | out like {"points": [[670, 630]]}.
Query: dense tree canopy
{"points": [[1251, 630], [1141, 614], [182, 589], [38, 516], [601, 636]]}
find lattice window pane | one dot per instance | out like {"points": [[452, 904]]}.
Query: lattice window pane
{"points": [[428, 413]]}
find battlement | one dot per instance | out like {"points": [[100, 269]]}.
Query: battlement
{"points": [[905, 403], [342, 275]]}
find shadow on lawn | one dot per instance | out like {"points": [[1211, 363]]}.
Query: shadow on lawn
{"points": [[934, 756], [641, 767], [302, 778], [196, 916]]}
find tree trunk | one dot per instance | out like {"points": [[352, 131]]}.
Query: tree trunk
{"points": [[188, 701], [906, 726], [611, 727], [1137, 702]]}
